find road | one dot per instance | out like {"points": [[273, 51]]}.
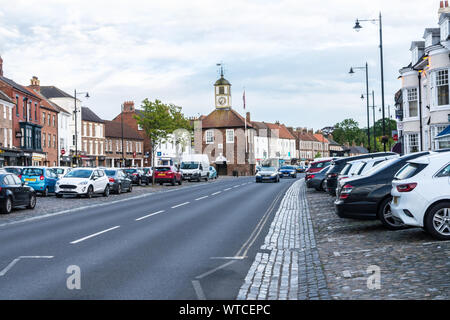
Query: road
{"points": [[192, 243]]}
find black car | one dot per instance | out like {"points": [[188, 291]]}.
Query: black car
{"points": [[339, 164], [369, 196], [118, 181], [137, 176], [14, 193], [317, 180]]}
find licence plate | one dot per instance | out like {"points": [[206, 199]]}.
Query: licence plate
{"points": [[30, 180], [162, 174]]}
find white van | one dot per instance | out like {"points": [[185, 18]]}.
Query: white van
{"points": [[195, 167]]}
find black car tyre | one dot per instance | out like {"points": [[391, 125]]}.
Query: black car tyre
{"points": [[106, 192], [207, 178], [7, 206], [173, 182], [387, 218], [32, 201], [59, 195], [180, 182], [119, 189], [437, 221], [139, 182], [45, 193], [89, 192], [130, 188], [323, 186], [147, 182]]}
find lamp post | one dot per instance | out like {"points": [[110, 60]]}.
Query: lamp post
{"points": [[351, 72], [121, 124], [76, 124], [357, 28]]}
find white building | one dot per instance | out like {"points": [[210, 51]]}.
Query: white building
{"points": [[424, 101]]}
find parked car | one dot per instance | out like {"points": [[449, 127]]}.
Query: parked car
{"points": [[366, 164], [301, 169], [195, 167], [269, 174], [137, 176], [212, 173], [15, 170], [318, 165], [118, 181], [41, 179], [168, 174], [317, 180], [288, 171], [148, 172], [339, 164], [83, 181], [421, 194], [369, 196], [14, 193], [61, 171]]}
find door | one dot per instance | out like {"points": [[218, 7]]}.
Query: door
{"points": [[51, 178], [15, 185]]}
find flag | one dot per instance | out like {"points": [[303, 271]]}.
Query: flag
{"points": [[243, 98]]}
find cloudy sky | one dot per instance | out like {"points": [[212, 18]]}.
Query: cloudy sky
{"points": [[291, 56]]}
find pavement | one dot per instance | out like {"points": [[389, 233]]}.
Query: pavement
{"points": [[197, 241]]}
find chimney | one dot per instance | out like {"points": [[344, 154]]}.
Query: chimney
{"points": [[247, 116], [443, 8], [35, 84], [311, 131], [1, 67], [128, 106]]}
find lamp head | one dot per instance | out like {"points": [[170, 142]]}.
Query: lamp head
{"points": [[87, 95], [357, 26], [362, 97], [351, 71]]}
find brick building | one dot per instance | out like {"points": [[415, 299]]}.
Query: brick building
{"points": [[49, 122], [92, 139], [128, 113], [132, 152], [225, 136], [8, 154]]}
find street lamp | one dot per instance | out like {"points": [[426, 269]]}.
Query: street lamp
{"points": [[351, 72], [357, 28], [76, 125], [374, 122]]}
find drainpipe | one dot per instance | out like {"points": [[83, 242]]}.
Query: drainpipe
{"points": [[420, 110]]}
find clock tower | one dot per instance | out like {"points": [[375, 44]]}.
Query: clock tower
{"points": [[222, 92]]}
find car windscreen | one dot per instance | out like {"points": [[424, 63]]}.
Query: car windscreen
{"points": [[409, 171], [58, 170], [13, 170], [268, 169], [325, 170], [84, 174], [287, 168], [110, 173], [162, 169], [381, 167], [130, 170], [320, 164], [32, 172], [346, 169], [189, 165]]}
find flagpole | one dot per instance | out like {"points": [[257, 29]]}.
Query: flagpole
{"points": [[245, 130]]}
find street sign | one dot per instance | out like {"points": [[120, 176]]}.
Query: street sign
{"points": [[63, 152], [159, 154]]}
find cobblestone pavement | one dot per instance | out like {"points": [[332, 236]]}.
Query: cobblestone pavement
{"points": [[51, 204], [288, 268], [413, 264]]}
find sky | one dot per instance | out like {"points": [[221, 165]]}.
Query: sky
{"points": [[291, 57]]}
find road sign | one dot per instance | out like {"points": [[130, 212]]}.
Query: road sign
{"points": [[63, 152]]}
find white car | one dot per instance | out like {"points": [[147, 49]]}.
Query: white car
{"points": [[421, 194], [83, 181], [61, 171]]}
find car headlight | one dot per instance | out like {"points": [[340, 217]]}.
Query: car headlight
{"points": [[274, 174], [258, 174], [83, 183], [57, 183]]}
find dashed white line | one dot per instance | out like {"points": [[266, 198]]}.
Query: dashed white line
{"points": [[180, 205], [149, 215], [94, 235], [227, 189], [216, 193], [198, 199], [12, 263]]}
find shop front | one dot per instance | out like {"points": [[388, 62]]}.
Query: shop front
{"points": [[39, 159], [9, 157]]}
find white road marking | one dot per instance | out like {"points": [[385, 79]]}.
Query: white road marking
{"points": [[94, 235], [216, 193], [214, 270], [227, 258], [12, 263], [149, 215], [236, 186], [180, 205], [227, 189], [201, 198], [198, 290]]}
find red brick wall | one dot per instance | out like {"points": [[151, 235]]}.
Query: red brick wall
{"points": [[52, 130]]}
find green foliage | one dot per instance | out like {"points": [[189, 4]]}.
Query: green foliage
{"points": [[348, 131], [318, 155]]}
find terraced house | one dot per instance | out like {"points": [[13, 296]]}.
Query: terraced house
{"points": [[423, 102], [93, 139], [6, 131]]}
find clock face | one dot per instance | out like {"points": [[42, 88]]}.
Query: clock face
{"points": [[222, 101]]}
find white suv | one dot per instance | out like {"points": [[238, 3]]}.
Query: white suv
{"points": [[421, 194], [83, 181]]}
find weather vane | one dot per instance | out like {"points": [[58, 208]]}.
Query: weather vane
{"points": [[221, 68]]}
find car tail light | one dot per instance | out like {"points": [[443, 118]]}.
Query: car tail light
{"points": [[332, 175], [41, 178], [135, 174], [20, 176], [406, 187], [343, 177], [345, 192], [111, 180]]}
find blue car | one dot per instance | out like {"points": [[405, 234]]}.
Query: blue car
{"points": [[41, 179], [212, 173], [288, 171]]}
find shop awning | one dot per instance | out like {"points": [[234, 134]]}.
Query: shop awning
{"points": [[444, 134]]}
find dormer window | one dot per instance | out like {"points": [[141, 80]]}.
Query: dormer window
{"points": [[429, 40], [415, 55], [444, 30]]}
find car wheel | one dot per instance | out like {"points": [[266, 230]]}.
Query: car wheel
{"points": [[147, 182], [207, 178], [323, 186], [119, 189], [130, 188], [89, 192], [139, 182], [106, 192], [59, 195], [173, 182], [32, 202], [437, 221], [7, 206], [45, 193], [180, 182], [387, 218]]}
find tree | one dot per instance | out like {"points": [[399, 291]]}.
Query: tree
{"points": [[348, 131], [159, 122]]}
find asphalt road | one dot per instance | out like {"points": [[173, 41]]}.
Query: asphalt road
{"points": [[192, 243]]}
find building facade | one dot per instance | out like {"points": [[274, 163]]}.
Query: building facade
{"points": [[93, 139], [8, 154]]}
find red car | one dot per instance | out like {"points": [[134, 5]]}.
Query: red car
{"points": [[168, 174], [318, 166]]}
